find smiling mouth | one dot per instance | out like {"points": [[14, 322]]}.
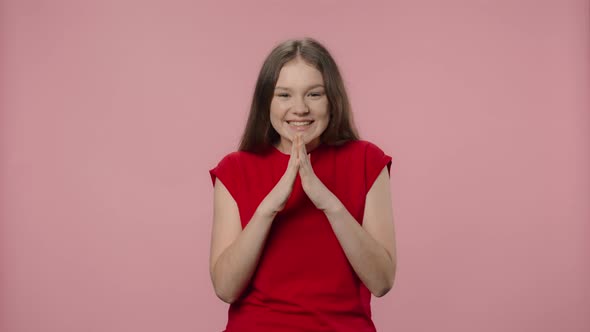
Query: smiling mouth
{"points": [[300, 123], [300, 126]]}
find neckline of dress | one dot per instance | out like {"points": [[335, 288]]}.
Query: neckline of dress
{"points": [[287, 156]]}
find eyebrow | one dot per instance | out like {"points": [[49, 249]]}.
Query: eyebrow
{"points": [[310, 87]]}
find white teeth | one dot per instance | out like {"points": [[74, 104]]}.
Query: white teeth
{"points": [[300, 123]]}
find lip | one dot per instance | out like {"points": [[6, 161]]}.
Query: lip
{"points": [[299, 128], [308, 120]]}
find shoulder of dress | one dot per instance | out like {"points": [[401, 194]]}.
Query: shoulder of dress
{"points": [[229, 158], [360, 147], [356, 145], [243, 156], [367, 144], [235, 154]]}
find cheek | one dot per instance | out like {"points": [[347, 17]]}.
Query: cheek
{"points": [[326, 116], [275, 113], [276, 122], [276, 119], [277, 109]]}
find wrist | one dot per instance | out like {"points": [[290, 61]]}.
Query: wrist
{"points": [[265, 211], [333, 206]]}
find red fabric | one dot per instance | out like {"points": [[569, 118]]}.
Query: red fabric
{"points": [[304, 281]]}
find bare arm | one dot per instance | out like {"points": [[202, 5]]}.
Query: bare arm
{"points": [[370, 248], [234, 252]]}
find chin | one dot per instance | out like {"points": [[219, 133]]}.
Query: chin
{"points": [[306, 138]]}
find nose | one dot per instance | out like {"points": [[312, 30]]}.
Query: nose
{"points": [[300, 107]]}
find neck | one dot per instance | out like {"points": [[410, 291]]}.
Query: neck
{"points": [[285, 146]]}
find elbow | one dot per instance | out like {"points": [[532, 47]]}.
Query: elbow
{"points": [[382, 292], [383, 289], [387, 283], [226, 299], [223, 293], [224, 296]]}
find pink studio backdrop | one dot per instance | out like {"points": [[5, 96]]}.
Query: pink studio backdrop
{"points": [[112, 112]]}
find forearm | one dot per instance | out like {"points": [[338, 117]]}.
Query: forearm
{"points": [[369, 259], [234, 268]]}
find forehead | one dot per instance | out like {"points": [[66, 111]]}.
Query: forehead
{"points": [[298, 72]]}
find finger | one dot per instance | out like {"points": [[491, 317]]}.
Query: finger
{"points": [[303, 147], [301, 155], [302, 151], [293, 163], [294, 148], [304, 161]]}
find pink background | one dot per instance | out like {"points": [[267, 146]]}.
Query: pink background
{"points": [[112, 112]]}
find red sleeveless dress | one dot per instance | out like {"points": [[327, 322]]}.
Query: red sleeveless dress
{"points": [[303, 281]]}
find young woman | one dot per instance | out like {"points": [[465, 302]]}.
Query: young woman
{"points": [[303, 228]]}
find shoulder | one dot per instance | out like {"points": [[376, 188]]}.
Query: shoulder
{"points": [[228, 168], [367, 152], [239, 158], [359, 146], [228, 158], [238, 155]]}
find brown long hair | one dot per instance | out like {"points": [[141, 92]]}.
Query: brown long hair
{"points": [[259, 134]]}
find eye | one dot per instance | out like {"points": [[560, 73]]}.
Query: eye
{"points": [[283, 95], [315, 94]]}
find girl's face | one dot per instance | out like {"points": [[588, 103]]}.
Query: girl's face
{"points": [[299, 105]]}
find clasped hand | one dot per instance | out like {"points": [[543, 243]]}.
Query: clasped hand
{"points": [[299, 163], [317, 192]]}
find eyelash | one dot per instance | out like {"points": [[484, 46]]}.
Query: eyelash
{"points": [[317, 94]]}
